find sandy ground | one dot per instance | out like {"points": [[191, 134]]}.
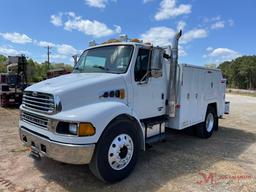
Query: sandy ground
{"points": [[225, 162]]}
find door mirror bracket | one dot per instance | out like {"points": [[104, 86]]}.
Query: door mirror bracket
{"points": [[144, 79]]}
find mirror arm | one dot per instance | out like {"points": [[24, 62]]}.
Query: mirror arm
{"points": [[142, 79], [166, 56]]}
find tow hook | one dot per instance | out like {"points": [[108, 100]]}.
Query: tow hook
{"points": [[35, 154]]}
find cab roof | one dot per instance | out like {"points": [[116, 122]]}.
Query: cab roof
{"points": [[121, 43]]}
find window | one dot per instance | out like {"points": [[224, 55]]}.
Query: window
{"points": [[142, 64], [106, 59]]}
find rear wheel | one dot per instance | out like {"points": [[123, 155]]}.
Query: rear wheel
{"points": [[116, 152], [205, 129]]}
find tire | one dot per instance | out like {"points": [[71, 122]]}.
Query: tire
{"points": [[206, 129], [116, 152]]}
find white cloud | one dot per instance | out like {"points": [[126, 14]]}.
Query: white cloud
{"points": [[65, 49], [16, 38], [218, 25], [209, 49], [159, 35], [162, 36], [217, 18], [168, 8], [118, 29], [97, 3], [217, 22], [45, 44], [231, 22], [88, 27], [182, 51], [222, 54], [58, 56], [57, 20], [193, 34], [147, 1], [9, 51]]}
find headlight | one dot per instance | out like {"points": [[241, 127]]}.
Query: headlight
{"points": [[73, 128], [77, 129]]}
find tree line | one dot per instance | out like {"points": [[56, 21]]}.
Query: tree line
{"points": [[240, 73], [36, 71]]}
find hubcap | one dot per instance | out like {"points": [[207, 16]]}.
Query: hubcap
{"points": [[209, 122], [120, 151]]}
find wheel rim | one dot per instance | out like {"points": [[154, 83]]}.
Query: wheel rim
{"points": [[120, 152], [209, 122]]}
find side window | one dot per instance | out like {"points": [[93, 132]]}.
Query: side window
{"points": [[141, 65]]}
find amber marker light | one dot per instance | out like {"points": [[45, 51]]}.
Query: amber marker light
{"points": [[86, 129], [122, 94]]}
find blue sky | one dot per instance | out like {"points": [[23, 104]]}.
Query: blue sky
{"points": [[214, 31]]}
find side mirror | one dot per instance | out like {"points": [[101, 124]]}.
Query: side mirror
{"points": [[156, 62]]}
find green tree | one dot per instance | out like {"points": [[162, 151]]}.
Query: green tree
{"points": [[240, 73], [2, 65]]}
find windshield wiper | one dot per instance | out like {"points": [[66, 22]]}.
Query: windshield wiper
{"points": [[99, 67], [76, 69]]}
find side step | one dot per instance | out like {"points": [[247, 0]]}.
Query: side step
{"points": [[156, 138]]}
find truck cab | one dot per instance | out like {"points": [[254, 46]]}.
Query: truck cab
{"points": [[116, 99]]}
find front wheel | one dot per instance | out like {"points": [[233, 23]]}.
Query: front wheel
{"points": [[116, 152]]}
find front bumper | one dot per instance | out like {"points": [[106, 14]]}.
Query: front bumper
{"points": [[67, 153]]}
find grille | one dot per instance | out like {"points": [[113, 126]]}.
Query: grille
{"points": [[35, 120], [40, 102]]}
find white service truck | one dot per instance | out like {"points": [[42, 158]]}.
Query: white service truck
{"points": [[119, 97]]}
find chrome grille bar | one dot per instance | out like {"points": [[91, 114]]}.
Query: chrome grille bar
{"points": [[35, 120], [36, 98], [39, 102]]}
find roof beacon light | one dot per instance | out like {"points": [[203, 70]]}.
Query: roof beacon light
{"points": [[123, 38], [92, 43]]}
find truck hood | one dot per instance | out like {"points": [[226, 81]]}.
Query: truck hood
{"points": [[79, 89], [70, 81]]}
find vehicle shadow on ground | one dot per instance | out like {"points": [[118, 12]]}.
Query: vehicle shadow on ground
{"points": [[181, 154]]}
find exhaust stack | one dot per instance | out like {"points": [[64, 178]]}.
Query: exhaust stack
{"points": [[172, 89]]}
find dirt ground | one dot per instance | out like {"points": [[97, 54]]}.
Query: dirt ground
{"points": [[225, 162]]}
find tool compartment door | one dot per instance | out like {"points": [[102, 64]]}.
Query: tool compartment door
{"points": [[190, 100]]}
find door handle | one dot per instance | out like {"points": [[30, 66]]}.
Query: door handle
{"points": [[162, 96]]}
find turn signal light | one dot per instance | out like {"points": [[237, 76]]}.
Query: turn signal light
{"points": [[122, 94], [86, 129]]}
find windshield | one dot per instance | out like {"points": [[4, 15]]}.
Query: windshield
{"points": [[108, 59]]}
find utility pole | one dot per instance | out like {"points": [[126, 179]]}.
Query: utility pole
{"points": [[48, 56]]}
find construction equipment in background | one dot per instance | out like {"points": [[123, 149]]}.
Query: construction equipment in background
{"points": [[14, 81], [57, 72]]}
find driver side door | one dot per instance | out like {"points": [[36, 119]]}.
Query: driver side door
{"points": [[148, 92]]}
